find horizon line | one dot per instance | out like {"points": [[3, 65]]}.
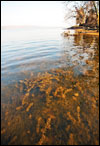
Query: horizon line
{"points": [[28, 26]]}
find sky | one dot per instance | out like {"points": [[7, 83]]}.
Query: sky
{"points": [[36, 13]]}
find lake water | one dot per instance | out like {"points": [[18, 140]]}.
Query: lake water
{"points": [[28, 49], [50, 91]]}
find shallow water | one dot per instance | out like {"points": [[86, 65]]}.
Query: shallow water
{"points": [[27, 49], [50, 88]]}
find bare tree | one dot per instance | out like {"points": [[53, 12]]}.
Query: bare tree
{"points": [[85, 12]]}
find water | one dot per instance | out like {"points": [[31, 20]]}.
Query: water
{"points": [[26, 49], [36, 49], [50, 92]]}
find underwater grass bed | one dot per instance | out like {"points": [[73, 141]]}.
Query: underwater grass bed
{"points": [[54, 107]]}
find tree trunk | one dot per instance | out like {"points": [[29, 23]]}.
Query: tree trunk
{"points": [[97, 13]]}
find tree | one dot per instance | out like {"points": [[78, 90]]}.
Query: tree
{"points": [[85, 12]]}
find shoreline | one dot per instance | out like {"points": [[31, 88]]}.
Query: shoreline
{"points": [[80, 31]]}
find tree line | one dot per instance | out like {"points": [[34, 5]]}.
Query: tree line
{"points": [[86, 13]]}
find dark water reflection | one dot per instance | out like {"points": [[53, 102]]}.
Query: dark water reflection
{"points": [[58, 103]]}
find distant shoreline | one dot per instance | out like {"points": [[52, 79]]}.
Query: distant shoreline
{"points": [[28, 26], [81, 27]]}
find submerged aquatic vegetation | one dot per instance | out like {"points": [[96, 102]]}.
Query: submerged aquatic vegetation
{"points": [[53, 111], [54, 107]]}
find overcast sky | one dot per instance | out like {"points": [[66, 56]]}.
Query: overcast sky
{"points": [[37, 13]]}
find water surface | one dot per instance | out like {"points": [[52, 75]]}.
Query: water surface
{"points": [[50, 87]]}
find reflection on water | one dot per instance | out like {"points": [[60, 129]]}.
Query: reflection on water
{"points": [[60, 103]]}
